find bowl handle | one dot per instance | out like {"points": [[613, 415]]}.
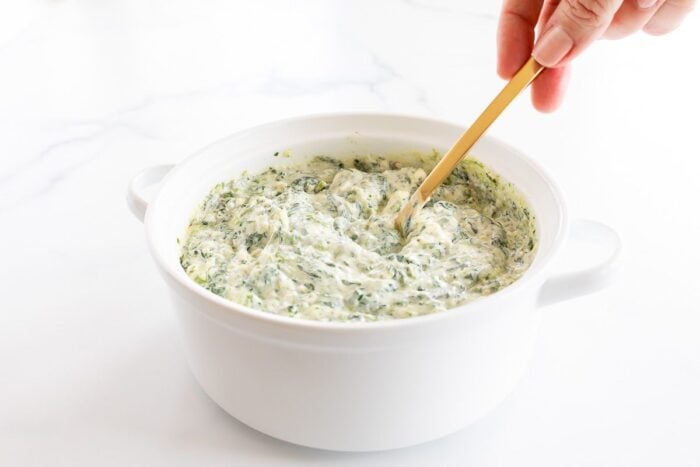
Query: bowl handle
{"points": [[136, 192], [588, 280]]}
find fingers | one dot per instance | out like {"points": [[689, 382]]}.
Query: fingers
{"points": [[569, 27], [669, 16], [573, 26], [631, 17], [548, 89], [547, 10], [516, 34]]}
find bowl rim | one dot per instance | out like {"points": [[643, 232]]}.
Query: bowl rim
{"points": [[178, 276]]}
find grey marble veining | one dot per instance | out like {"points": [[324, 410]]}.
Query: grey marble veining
{"points": [[91, 371]]}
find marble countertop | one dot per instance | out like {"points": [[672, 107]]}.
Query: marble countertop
{"points": [[91, 367]]}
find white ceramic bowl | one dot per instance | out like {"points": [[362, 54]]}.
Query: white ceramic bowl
{"points": [[358, 386]]}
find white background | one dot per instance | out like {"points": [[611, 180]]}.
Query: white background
{"points": [[91, 367]]}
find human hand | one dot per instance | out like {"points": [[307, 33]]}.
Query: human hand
{"points": [[566, 27]]}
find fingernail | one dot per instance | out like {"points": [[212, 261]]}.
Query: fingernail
{"points": [[552, 47], [646, 3]]}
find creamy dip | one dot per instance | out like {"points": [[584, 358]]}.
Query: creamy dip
{"points": [[317, 241]]}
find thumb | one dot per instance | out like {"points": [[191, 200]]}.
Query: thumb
{"points": [[574, 24]]}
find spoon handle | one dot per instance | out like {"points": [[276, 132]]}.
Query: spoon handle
{"points": [[449, 161]]}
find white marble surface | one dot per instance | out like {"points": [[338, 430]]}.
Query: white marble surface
{"points": [[91, 368]]}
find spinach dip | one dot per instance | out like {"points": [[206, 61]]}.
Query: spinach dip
{"points": [[317, 241]]}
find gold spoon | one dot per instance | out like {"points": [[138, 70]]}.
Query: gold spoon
{"points": [[449, 161]]}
